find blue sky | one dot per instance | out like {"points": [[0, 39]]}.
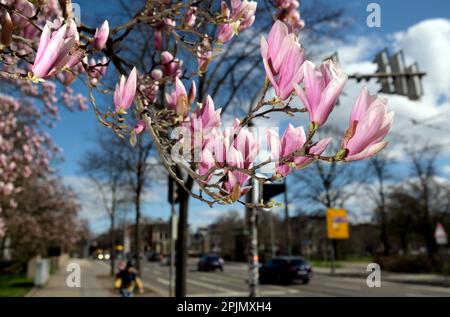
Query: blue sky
{"points": [[398, 19]]}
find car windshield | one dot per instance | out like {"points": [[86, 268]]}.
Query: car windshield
{"points": [[213, 258], [298, 262]]}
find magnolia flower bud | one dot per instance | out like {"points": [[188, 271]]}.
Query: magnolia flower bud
{"points": [[101, 36]]}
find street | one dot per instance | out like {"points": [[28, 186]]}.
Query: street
{"points": [[232, 282]]}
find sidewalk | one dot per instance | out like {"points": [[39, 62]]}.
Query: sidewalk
{"points": [[95, 282], [359, 269]]}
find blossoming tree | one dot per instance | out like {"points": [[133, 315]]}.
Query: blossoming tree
{"points": [[189, 134]]}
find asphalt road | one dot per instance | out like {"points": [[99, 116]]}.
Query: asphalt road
{"points": [[233, 282]]}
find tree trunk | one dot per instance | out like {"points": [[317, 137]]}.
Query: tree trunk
{"points": [[113, 244], [137, 236]]}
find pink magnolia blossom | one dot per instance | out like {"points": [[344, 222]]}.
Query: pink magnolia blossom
{"points": [[243, 11], [292, 140], [101, 36], [170, 66], [283, 58], [234, 184], [323, 86], [190, 18], [205, 118], [179, 100], [246, 143], [225, 32], [125, 92], [97, 69], [316, 149], [204, 54], [241, 16], [207, 162], [151, 91], [369, 124], [55, 52], [139, 127], [289, 13], [158, 39]]}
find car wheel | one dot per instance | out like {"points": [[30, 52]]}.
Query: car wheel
{"points": [[305, 281]]}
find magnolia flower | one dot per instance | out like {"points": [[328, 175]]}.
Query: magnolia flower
{"points": [[241, 16], [125, 92], [292, 140], [101, 36], [55, 52], [204, 54], [190, 18], [97, 69], [235, 180], [369, 124], [283, 57], [225, 32], [289, 13], [205, 118], [244, 12], [139, 127], [246, 143], [323, 86], [206, 163], [170, 66], [316, 149], [178, 100], [158, 39]]}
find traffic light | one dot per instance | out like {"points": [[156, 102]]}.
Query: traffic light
{"points": [[382, 60], [415, 89], [272, 190], [397, 62]]}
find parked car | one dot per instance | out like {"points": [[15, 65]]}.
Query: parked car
{"points": [[153, 256], [210, 263], [285, 270]]}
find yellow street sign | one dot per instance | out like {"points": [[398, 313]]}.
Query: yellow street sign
{"points": [[337, 224], [119, 247]]}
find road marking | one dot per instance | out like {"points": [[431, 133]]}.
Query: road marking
{"points": [[237, 294], [210, 286], [163, 281], [347, 287]]}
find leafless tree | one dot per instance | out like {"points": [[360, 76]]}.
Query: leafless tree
{"points": [[103, 165], [379, 168]]}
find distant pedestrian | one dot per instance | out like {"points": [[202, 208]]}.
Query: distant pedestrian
{"points": [[127, 279]]}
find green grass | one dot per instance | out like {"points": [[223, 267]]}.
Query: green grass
{"points": [[15, 285]]}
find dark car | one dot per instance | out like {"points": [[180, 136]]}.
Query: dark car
{"points": [[210, 263], [285, 270], [153, 256]]}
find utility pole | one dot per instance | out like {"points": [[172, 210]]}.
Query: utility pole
{"points": [[253, 259], [182, 239], [173, 235]]}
